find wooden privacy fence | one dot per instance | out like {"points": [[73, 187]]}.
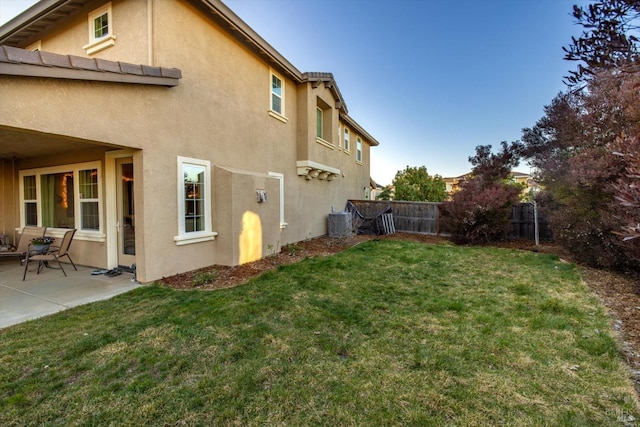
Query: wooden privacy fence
{"points": [[412, 217], [424, 217], [523, 223]]}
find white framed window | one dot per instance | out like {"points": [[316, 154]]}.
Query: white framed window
{"points": [[358, 150], [346, 139], [276, 97], [280, 177], [194, 201], [101, 35], [30, 200], [88, 198], [66, 196]]}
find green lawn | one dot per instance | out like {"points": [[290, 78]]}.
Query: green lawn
{"points": [[386, 333]]}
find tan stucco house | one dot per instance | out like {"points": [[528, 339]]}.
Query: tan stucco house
{"points": [[169, 134]]}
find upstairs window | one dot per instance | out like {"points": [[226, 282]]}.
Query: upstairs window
{"points": [[100, 30], [346, 139], [277, 95], [101, 26], [358, 150], [319, 123], [325, 131]]}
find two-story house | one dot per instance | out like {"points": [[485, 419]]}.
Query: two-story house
{"points": [[169, 134]]}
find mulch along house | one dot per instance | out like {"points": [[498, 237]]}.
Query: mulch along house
{"points": [[169, 134]]}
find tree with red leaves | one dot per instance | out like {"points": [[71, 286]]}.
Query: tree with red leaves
{"points": [[479, 211], [609, 40], [584, 150]]}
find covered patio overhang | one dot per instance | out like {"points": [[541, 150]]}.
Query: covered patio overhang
{"points": [[27, 152], [24, 144], [75, 120]]}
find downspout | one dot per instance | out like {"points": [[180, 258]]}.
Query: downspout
{"points": [[150, 59]]}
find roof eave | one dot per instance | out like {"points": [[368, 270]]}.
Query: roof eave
{"points": [[330, 83], [242, 32], [18, 29], [372, 141]]}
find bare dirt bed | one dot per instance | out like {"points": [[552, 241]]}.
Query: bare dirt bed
{"points": [[619, 293]]}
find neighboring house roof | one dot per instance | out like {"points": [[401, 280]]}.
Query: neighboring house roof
{"points": [[514, 174], [21, 62], [46, 14], [457, 178]]}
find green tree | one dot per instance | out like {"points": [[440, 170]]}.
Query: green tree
{"points": [[416, 185], [387, 193]]}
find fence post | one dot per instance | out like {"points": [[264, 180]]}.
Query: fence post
{"points": [[535, 223]]}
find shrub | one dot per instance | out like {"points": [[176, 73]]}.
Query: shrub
{"points": [[586, 150], [476, 214], [202, 278], [479, 211], [626, 204]]}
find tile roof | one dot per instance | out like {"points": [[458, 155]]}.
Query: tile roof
{"points": [[21, 62]]}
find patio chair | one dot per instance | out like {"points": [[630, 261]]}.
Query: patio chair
{"points": [[20, 251], [54, 254]]}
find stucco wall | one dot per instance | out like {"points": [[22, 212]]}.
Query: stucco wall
{"points": [[247, 228], [130, 27]]}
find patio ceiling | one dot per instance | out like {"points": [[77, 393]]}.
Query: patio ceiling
{"points": [[24, 144]]}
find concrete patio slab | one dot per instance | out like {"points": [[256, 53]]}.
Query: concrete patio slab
{"points": [[50, 291]]}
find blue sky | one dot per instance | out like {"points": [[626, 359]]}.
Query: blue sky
{"points": [[429, 79]]}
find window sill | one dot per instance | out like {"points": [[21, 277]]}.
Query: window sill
{"points": [[187, 239], [84, 235], [278, 116], [99, 45], [347, 152], [358, 162], [283, 225], [325, 143]]}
